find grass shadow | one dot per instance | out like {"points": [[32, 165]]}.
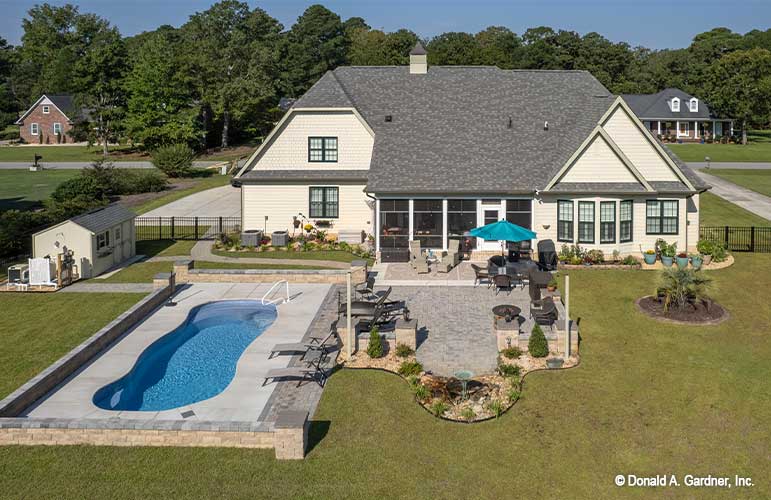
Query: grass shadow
{"points": [[317, 431]]}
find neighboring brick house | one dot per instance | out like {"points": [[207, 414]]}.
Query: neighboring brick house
{"points": [[49, 120]]}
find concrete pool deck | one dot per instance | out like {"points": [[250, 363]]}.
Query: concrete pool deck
{"points": [[244, 400]]}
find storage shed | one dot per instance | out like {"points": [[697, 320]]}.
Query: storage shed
{"points": [[99, 239]]}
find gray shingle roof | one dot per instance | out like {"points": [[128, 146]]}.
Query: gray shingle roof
{"points": [[257, 176], [598, 187], [101, 219], [654, 106], [450, 128]]}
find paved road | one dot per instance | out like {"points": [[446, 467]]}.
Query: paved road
{"points": [[224, 201], [749, 200], [698, 165], [72, 165]]}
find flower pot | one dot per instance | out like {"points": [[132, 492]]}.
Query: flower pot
{"points": [[696, 262], [554, 362], [682, 262], [551, 288], [707, 259], [667, 261], [650, 258]]}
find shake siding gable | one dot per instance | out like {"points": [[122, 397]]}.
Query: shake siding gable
{"points": [[637, 148], [598, 163], [289, 147]]}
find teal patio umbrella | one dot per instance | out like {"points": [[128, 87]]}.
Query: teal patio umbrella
{"points": [[502, 230]]}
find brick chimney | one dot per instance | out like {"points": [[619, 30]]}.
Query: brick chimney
{"points": [[418, 60]]}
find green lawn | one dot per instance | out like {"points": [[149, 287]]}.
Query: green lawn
{"points": [[336, 255], [64, 153], [648, 398], [152, 248], [755, 151], [755, 180], [36, 329], [715, 211], [23, 190], [202, 184], [143, 272]]}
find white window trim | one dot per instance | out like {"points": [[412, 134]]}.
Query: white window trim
{"points": [[675, 104], [105, 240], [34, 129], [687, 132], [55, 126], [693, 105], [46, 109]]}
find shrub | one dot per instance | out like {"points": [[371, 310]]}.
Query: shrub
{"points": [[719, 252], [512, 395], [174, 160], [512, 352], [496, 406], [553, 283], [438, 407], [537, 345], [421, 392], [83, 186], [507, 370], [375, 347], [616, 255], [143, 181], [403, 350], [680, 286], [413, 380], [15, 229], [629, 261], [468, 414], [705, 247], [595, 256], [408, 368]]}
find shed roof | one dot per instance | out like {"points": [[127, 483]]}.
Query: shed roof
{"points": [[103, 218]]}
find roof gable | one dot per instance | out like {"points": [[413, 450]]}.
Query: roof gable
{"points": [[64, 103], [658, 106]]}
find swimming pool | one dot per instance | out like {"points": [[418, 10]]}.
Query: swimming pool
{"points": [[194, 362]]}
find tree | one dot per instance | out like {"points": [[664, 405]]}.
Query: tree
{"points": [[739, 85], [453, 48], [540, 51], [499, 46], [316, 44], [232, 51], [161, 108], [8, 106], [376, 48]]}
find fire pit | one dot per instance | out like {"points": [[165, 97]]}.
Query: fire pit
{"points": [[506, 311]]}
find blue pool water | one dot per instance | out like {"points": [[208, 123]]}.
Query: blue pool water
{"points": [[196, 361]]}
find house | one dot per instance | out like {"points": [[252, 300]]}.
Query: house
{"points": [[428, 153], [49, 120], [675, 114], [99, 239]]}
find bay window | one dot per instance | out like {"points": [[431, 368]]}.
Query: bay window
{"points": [[565, 221], [607, 222], [586, 222], [625, 221]]}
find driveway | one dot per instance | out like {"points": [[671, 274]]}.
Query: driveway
{"points": [[748, 200], [747, 165], [224, 201]]}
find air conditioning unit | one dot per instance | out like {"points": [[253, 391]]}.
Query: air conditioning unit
{"points": [[251, 238], [18, 273]]}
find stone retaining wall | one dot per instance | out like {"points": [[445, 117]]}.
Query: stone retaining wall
{"points": [[55, 374], [186, 273]]}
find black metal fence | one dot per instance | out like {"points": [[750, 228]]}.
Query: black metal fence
{"points": [[184, 228], [739, 238]]}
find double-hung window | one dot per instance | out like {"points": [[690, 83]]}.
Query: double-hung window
{"points": [[661, 217], [103, 240], [565, 220], [586, 222], [322, 149], [46, 110], [607, 222], [34, 129], [625, 221], [324, 202], [57, 128]]}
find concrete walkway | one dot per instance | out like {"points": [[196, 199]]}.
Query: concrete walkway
{"points": [[223, 201], [739, 165], [91, 287], [745, 198], [203, 251]]}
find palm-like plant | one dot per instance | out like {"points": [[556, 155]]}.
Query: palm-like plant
{"points": [[681, 286]]}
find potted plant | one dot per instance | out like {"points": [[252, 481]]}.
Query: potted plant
{"points": [[705, 248], [682, 260], [552, 285], [650, 257], [696, 261], [668, 252]]}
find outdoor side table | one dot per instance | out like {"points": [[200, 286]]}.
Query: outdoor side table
{"points": [[406, 332]]}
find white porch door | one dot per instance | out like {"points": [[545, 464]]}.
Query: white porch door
{"points": [[490, 211]]}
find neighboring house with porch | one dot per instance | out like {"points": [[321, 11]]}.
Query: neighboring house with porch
{"points": [[428, 153], [678, 115], [49, 120]]}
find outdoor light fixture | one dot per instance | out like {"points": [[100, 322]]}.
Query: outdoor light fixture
{"points": [[707, 159]]}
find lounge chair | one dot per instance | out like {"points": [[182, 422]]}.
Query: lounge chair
{"points": [[417, 259], [303, 348], [365, 307], [451, 258], [300, 373], [366, 288], [480, 275]]}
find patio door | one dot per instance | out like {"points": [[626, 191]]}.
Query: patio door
{"points": [[491, 211]]}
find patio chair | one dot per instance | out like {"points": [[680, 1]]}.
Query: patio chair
{"points": [[480, 274], [417, 258], [365, 307], [451, 257], [312, 371], [546, 315], [303, 348], [366, 288], [502, 281]]}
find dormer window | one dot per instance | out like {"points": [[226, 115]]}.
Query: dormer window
{"points": [[46, 110], [322, 149], [693, 105], [675, 104]]}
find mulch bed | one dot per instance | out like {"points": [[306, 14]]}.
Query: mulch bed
{"points": [[692, 314]]}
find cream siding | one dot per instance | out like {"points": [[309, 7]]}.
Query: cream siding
{"points": [[289, 147], [280, 202], [637, 148], [598, 163]]}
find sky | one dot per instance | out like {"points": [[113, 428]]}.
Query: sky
{"points": [[655, 24]]}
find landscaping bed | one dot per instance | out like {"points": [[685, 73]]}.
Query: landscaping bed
{"points": [[698, 313]]}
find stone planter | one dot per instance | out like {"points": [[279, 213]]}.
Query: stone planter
{"points": [[707, 259], [650, 258], [667, 261]]}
